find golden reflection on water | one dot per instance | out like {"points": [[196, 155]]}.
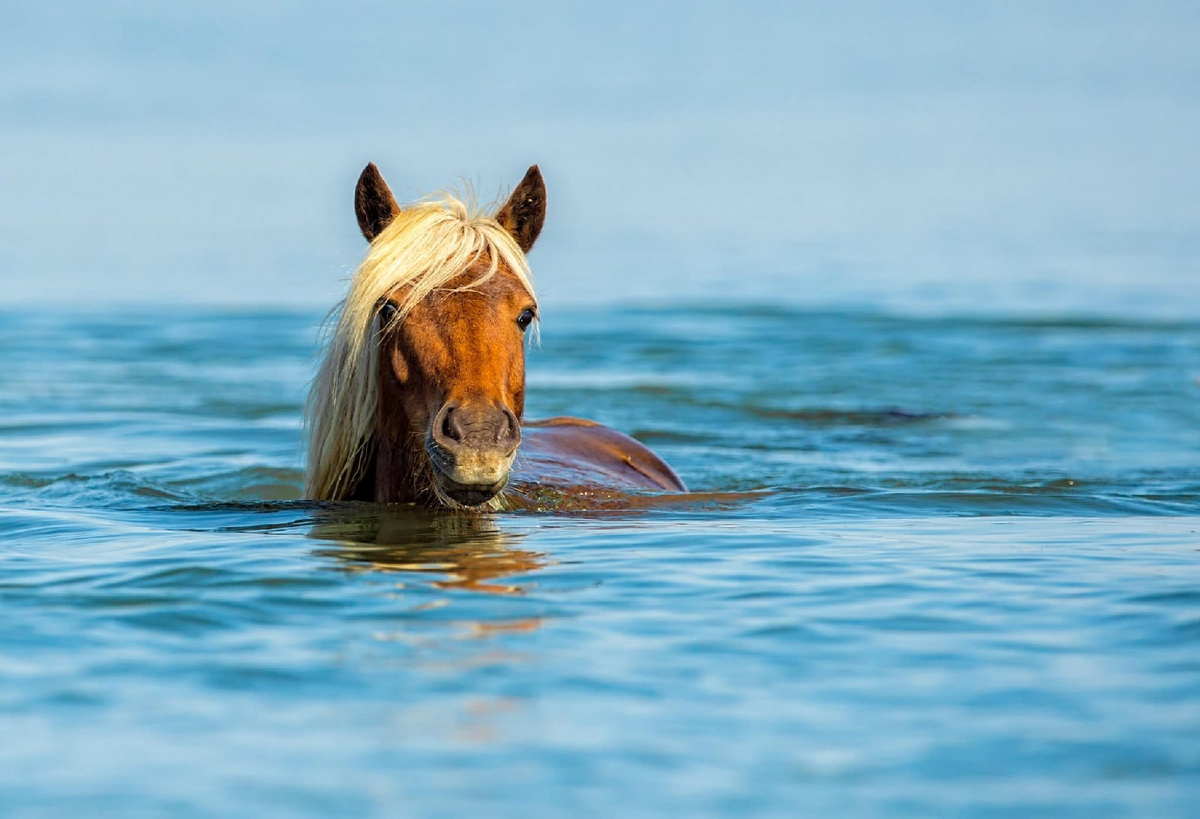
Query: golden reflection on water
{"points": [[461, 552], [468, 552]]}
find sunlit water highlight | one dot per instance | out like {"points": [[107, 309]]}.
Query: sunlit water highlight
{"points": [[937, 567]]}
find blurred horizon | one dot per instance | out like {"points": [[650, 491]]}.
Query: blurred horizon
{"points": [[931, 158]]}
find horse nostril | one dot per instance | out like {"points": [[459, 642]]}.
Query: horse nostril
{"points": [[449, 428], [512, 427]]}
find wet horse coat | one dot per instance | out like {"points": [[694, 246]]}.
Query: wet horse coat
{"points": [[421, 395]]}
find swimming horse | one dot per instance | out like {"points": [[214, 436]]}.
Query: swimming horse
{"points": [[421, 394]]}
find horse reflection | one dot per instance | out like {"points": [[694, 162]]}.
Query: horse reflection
{"points": [[470, 551]]}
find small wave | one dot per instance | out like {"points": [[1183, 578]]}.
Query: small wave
{"points": [[124, 488], [253, 483], [984, 499], [107, 489]]}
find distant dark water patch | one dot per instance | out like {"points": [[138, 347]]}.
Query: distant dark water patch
{"points": [[840, 417]]}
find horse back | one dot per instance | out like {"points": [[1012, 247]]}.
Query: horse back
{"points": [[575, 452]]}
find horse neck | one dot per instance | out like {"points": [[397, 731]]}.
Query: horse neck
{"points": [[398, 472]]}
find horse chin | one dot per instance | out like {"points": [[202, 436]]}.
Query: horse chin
{"points": [[469, 480], [455, 494]]}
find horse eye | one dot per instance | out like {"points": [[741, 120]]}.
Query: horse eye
{"points": [[387, 311], [525, 319]]}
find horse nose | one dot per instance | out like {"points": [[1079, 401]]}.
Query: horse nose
{"points": [[458, 425]]}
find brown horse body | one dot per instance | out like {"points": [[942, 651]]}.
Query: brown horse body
{"points": [[558, 454], [439, 310], [566, 452]]}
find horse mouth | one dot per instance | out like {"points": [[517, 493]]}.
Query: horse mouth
{"points": [[485, 476], [467, 494]]}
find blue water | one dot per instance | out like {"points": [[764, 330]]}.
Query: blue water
{"points": [[940, 567]]}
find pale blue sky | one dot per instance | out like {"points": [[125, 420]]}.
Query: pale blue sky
{"points": [[923, 156]]}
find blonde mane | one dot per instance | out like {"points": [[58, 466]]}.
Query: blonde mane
{"points": [[421, 251]]}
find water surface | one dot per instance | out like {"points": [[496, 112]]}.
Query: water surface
{"points": [[940, 566]]}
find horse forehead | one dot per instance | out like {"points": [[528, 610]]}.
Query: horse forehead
{"points": [[454, 321], [468, 297], [502, 282]]}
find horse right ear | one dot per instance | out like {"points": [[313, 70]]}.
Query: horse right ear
{"points": [[374, 204], [525, 211]]}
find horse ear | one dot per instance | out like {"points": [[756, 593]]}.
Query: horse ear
{"points": [[525, 211], [373, 202]]}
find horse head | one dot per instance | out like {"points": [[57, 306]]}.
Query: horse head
{"points": [[451, 356]]}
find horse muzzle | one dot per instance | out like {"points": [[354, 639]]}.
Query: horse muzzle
{"points": [[471, 450]]}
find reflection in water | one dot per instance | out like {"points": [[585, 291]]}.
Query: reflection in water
{"points": [[471, 551], [463, 551]]}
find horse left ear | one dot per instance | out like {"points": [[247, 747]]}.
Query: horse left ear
{"points": [[374, 204], [525, 211]]}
